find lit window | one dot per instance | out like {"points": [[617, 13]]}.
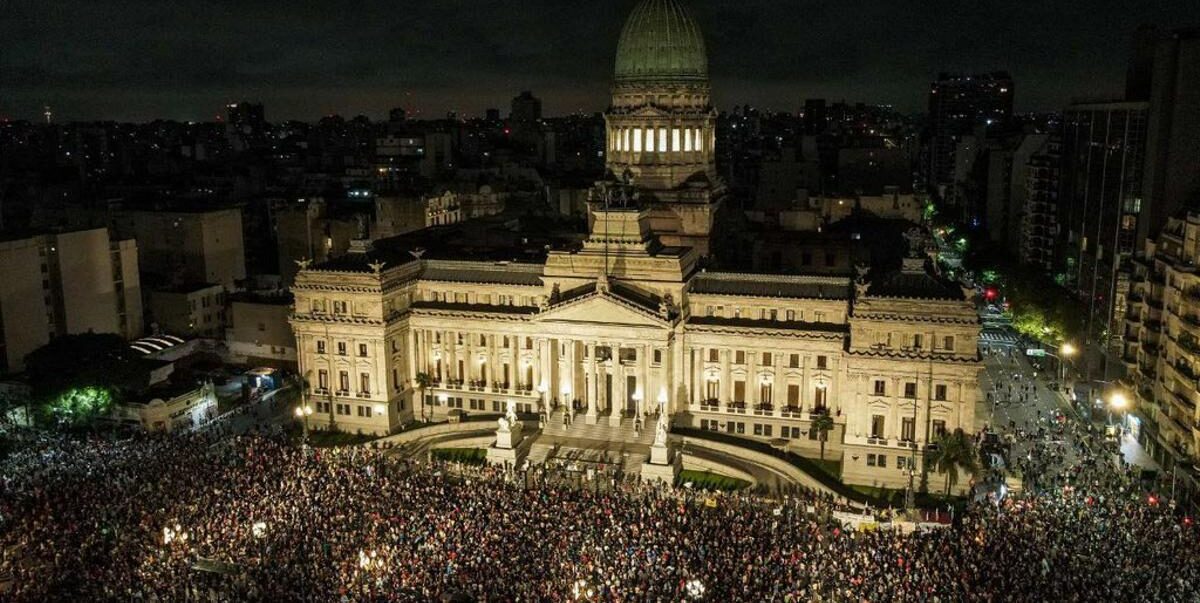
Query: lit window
{"points": [[650, 140], [675, 139], [625, 141], [637, 140], [699, 146], [662, 140], [687, 140]]}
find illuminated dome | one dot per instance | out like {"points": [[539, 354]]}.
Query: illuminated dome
{"points": [[661, 42]]}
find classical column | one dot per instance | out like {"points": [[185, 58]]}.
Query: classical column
{"points": [[726, 380], [644, 381], [752, 381], [593, 368], [616, 406]]}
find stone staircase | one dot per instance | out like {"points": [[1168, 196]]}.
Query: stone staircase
{"points": [[602, 431]]}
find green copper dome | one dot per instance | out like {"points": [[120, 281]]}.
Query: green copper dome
{"points": [[661, 42]]}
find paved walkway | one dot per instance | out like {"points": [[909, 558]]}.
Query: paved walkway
{"points": [[1134, 454]]}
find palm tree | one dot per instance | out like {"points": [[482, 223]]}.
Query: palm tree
{"points": [[423, 382], [954, 450], [822, 424]]}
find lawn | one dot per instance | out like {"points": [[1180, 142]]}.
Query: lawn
{"points": [[704, 480], [466, 456]]}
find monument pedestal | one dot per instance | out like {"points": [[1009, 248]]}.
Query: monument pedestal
{"points": [[510, 447], [663, 465]]}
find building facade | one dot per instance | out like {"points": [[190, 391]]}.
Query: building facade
{"points": [[608, 328], [259, 332], [1162, 344], [201, 246], [893, 360], [1104, 146], [65, 283], [190, 310]]}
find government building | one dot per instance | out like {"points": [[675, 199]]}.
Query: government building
{"points": [[611, 325]]}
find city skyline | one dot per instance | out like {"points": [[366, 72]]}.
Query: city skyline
{"points": [[138, 63]]}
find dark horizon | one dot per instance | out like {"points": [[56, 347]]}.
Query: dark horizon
{"points": [[129, 60]]}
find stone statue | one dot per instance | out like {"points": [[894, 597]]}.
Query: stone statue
{"points": [[363, 228], [504, 425], [660, 430], [861, 288], [376, 267], [511, 413], [666, 306], [916, 242]]}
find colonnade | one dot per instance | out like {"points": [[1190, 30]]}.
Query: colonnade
{"points": [[617, 378]]}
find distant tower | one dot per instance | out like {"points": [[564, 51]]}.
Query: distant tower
{"points": [[46, 112]]}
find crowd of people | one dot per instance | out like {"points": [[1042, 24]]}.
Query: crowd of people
{"points": [[256, 518]]}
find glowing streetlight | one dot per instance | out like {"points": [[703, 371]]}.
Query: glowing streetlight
{"points": [[1118, 401], [303, 413]]}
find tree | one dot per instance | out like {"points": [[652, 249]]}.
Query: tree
{"points": [[423, 383], [953, 451], [822, 424], [77, 378]]}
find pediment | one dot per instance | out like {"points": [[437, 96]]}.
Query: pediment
{"points": [[650, 111], [602, 309]]}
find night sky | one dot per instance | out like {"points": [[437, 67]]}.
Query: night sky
{"points": [[142, 59]]}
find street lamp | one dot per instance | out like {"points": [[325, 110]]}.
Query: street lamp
{"points": [[303, 413], [1118, 401], [1066, 350]]}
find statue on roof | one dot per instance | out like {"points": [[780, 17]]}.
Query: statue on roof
{"points": [[666, 306], [917, 242], [861, 288]]}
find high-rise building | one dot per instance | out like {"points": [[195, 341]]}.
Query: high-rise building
{"points": [[958, 104], [1039, 219], [1172, 178], [816, 117], [197, 245], [65, 284], [1103, 155], [1162, 349], [526, 108]]}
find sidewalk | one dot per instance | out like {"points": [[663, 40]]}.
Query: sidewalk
{"points": [[1134, 454]]}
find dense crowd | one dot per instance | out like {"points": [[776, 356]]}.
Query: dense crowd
{"points": [[151, 519]]}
